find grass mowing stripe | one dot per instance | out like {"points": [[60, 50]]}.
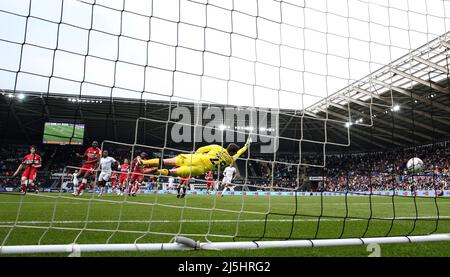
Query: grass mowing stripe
{"points": [[36, 219], [214, 220]]}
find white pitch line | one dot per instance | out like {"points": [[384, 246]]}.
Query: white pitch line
{"points": [[213, 221], [223, 203]]}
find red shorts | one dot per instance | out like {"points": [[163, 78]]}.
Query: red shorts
{"points": [[137, 175], [210, 184], [30, 173], [123, 178], [184, 180], [88, 168]]}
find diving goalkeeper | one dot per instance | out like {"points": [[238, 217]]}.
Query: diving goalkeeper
{"points": [[206, 158]]}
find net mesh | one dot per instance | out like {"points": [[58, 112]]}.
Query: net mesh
{"points": [[336, 95]]}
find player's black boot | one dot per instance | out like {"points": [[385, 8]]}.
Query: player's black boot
{"points": [[178, 192]]}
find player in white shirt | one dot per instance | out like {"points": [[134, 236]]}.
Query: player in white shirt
{"points": [[105, 167], [171, 183], [228, 174], [74, 186]]}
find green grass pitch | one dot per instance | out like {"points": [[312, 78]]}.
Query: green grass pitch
{"points": [[63, 134], [50, 218]]}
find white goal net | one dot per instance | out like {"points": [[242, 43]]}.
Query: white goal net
{"points": [[326, 101]]}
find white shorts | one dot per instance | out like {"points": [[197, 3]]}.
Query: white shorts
{"points": [[104, 176], [226, 181]]}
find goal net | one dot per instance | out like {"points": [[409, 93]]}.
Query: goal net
{"points": [[341, 110]]}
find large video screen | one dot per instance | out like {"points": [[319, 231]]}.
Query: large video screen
{"points": [[63, 133]]}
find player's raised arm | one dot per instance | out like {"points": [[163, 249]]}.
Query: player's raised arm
{"points": [[18, 169], [243, 149]]}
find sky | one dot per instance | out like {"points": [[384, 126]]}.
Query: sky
{"points": [[264, 53]]}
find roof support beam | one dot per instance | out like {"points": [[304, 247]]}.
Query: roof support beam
{"points": [[310, 114], [391, 87], [445, 44], [349, 99], [380, 130], [408, 120], [431, 64], [413, 95], [418, 80], [360, 90], [403, 119]]}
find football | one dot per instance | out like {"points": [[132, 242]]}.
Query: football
{"points": [[414, 165]]}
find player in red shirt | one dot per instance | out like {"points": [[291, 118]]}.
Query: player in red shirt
{"points": [[114, 182], [123, 178], [31, 162], [91, 157], [209, 181], [138, 174], [184, 183]]}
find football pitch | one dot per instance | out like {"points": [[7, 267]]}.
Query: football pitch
{"points": [[63, 134], [51, 218]]}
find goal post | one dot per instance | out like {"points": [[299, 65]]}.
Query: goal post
{"points": [[183, 246]]}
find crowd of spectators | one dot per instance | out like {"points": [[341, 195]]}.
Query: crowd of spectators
{"points": [[359, 171], [349, 171]]}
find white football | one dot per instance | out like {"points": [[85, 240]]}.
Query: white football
{"points": [[414, 164]]}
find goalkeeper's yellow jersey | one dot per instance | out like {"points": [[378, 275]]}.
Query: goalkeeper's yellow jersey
{"points": [[205, 159], [213, 155]]}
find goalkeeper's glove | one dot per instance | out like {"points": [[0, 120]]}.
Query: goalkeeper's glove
{"points": [[249, 141]]}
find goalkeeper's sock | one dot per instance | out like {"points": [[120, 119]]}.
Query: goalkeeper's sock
{"points": [[81, 188], [136, 187], [152, 162]]}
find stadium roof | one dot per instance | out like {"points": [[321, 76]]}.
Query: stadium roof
{"points": [[405, 103], [115, 119]]}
